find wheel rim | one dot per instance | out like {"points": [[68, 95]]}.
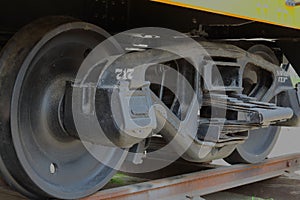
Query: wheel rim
{"points": [[58, 165], [260, 142]]}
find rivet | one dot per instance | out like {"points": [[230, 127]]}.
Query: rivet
{"points": [[53, 168]]}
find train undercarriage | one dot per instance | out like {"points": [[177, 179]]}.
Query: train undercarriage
{"points": [[77, 104]]}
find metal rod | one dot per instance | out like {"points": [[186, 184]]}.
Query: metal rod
{"points": [[161, 92]]}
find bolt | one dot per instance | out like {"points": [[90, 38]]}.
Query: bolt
{"points": [[53, 168]]}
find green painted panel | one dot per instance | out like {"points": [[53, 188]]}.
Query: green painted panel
{"points": [[268, 11]]}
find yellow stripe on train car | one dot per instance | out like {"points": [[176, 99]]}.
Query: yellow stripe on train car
{"points": [[275, 12]]}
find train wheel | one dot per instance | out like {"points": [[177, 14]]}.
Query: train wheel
{"points": [[38, 157], [260, 142]]}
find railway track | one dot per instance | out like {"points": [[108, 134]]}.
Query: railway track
{"points": [[194, 185]]}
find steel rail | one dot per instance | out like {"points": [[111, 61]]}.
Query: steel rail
{"points": [[194, 185]]}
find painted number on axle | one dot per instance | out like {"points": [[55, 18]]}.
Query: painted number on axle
{"points": [[283, 76], [124, 74], [282, 79]]}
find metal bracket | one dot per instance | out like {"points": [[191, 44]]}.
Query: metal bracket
{"points": [[298, 92], [138, 153], [133, 113]]}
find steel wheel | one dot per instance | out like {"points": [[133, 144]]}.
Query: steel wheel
{"points": [[260, 142], [38, 157]]}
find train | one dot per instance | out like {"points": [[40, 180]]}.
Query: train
{"points": [[89, 88]]}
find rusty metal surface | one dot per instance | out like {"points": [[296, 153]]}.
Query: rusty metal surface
{"points": [[204, 182]]}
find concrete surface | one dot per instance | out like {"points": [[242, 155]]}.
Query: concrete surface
{"points": [[288, 142], [282, 188]]}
